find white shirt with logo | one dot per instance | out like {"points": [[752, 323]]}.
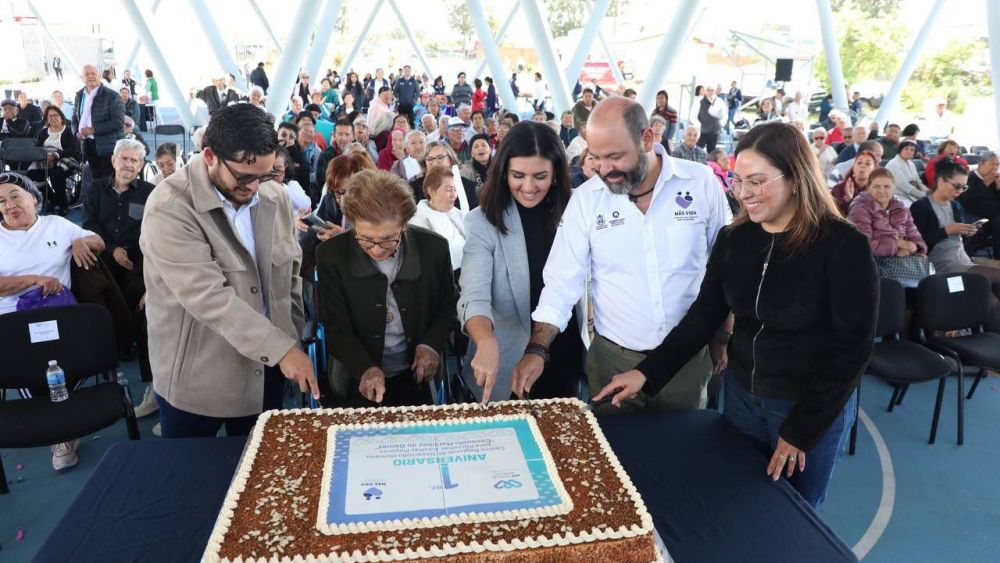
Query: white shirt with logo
{"points": [[646, 268], [45, 249]]}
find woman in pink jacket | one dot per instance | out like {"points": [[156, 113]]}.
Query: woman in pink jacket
{"points": [[884, 219]]}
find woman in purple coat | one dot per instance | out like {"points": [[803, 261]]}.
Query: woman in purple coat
{"points": [[885, 220]]}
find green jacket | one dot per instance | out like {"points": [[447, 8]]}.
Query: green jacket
{"points": [[352, 299]]}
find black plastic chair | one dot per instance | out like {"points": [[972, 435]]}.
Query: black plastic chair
{"points": [[170, 130], [19, 157], [17, 142], [901, 362], [85, 347], [958, 302]]}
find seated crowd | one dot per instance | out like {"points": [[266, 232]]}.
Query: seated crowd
{"points": [[412, 222]]}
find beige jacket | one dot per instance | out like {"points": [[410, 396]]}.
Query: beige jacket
{"points": [[208, 341]]}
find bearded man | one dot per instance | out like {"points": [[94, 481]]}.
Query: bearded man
{"points": [[644, 226]]}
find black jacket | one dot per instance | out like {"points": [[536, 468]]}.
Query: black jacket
{"points": [[258, 77], [352, 297], [107, 116], [981, 200], [804, 328], [70, 144], [927, 222], [116, 218], [210, 95]]}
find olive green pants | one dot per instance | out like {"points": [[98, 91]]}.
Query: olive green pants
{"points": [[686, 391]]}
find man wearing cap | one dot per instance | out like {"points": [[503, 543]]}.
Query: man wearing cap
{"points": [[461, 92], [99, 121], [12, 125], [456, 139], [406, 89]]}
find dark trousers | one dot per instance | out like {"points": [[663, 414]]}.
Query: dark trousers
{"points": [[707, 141], [100, 165], [400, 391], [57, 179], [130, 282], [406, 108], [142, 346], [175, 423]]}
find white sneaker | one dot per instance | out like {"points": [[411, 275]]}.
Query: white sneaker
{"points": [[64, 455], [156, 430], [148, 405]]}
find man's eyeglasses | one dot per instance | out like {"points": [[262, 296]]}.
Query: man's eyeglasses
{"points": [[959, 187], [756, 186], [247, 179], [368, 244], [438, 158]]}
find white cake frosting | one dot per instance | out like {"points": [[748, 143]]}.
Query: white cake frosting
{"points": [[224, 521]]}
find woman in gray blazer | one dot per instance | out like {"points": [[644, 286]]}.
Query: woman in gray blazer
{"points": [[508, 238]]}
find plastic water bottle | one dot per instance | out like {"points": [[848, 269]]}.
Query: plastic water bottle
{"points": [[123, 381], [56, 378]]}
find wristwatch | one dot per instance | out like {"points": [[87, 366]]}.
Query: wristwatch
{"points": [[722, 336]]}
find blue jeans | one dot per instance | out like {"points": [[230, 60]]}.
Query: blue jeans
{"points": [[176, 423], [761, 418], [731, 120]]}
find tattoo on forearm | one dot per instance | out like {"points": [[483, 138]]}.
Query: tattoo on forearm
{"points": [[543, 333]]}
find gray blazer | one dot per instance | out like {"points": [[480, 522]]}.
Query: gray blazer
{"points": [[495, 285]]}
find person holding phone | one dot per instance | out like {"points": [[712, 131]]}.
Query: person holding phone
{"points": [[940, 219]]}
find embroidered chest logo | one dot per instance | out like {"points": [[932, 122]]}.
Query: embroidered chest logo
{"points": [[601, 223], [617, 219], [684, 201]]}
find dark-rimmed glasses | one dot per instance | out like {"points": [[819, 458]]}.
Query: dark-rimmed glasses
{"points": [[369, 244], [247, 179]]}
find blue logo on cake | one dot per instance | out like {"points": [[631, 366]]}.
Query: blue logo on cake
{"points": [[373, 493], [507, 484]]}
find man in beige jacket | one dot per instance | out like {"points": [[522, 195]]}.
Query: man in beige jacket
{"points": [[224, 298]]}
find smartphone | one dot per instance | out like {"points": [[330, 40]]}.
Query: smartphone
{"points": [[979, 224], [313, 221]]}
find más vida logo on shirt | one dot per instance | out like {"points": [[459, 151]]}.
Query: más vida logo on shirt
{"points": [[616, 220], [684, 202]]}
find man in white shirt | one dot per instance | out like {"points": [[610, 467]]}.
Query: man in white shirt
{"points": [[643, 228], [796, 110]]}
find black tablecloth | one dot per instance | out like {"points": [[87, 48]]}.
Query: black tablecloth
{"points": [[704, 484]]}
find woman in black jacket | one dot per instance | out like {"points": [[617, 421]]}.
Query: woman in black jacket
{"points": [[803, 288], [58, 138], [387, 296]]}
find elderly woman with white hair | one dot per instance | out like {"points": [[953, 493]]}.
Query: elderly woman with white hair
{"points": [[414, 145], [256, 97]]}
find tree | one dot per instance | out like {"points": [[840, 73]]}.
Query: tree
{"points": [[867, 50], [460, 20], [870, 8], [565, 16], [950, 73]]}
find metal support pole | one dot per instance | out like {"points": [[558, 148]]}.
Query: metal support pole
{"points": [[291, 59], [538, 25], [993, 26], [500, 35], [590, 32], [324, 31], [75, 69], [905, 71], [671, 47], [413, 40], [267, 26], [832, 51], [226, 60], [492, 53], [133, 52], [619, 77], [361, 37], [159, 63]]}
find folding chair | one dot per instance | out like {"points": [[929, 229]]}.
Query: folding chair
{"points": [[27, 155], [901, 362], [955, 302], [85, 346], [170, 130]]}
